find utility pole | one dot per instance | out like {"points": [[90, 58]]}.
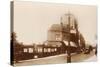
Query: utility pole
{"points": [[62, 48], [68, 50], [77, 36], [43, 50]]}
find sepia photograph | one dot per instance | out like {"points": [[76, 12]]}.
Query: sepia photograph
{"points": [[52, 33]]}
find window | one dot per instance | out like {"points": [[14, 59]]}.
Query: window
{"points": [[25, 50], [39, 49], [30, 50], [45, 50], [49, 50], [55, 49], [58, 38]]}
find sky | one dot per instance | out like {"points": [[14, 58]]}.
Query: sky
{"points": [[32, 20]]}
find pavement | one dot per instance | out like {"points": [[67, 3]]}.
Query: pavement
{"points": [[59, 59]]}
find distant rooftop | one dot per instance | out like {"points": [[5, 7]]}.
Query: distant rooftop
{"points": [[58, 27]]}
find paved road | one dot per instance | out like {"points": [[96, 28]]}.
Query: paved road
{"points": [[57, 59]]}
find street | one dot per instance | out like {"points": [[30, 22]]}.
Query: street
{"points": [[58, 59]]}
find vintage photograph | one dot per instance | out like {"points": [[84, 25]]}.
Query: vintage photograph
{"points": [[52, 33]]}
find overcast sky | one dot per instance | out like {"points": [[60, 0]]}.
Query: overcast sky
{"points": [[32, 20]]}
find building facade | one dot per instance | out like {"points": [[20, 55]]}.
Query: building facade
{"points": [[60, 32]]}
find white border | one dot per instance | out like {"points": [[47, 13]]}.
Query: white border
{"points": [[5, 32]]}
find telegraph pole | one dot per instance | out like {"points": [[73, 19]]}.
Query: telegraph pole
{"points": [[68, 50]]}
